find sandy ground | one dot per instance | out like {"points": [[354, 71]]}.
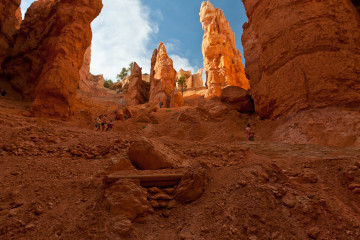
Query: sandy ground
{"points": [[51, 178]]}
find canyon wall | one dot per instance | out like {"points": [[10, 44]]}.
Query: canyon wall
{"points": [[222, 60], [162, 80], [192, 80], [10, 20], [48, 53], [89, 83], [302, 55]]}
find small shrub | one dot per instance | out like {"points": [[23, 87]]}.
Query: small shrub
{"points": [[126, 117]]}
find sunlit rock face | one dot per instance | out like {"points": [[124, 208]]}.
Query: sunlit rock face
{"points": [[137, 91], [302, 55], [162, 80], [10, 20], [192, 80], [222, 60], [49, 52]]}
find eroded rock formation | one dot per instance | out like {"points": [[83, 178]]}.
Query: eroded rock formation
{"points": [[137, 91], [49, 52], [10, 20], [162, 80], [88, 82], [222, 60], [192, 80], [302, 55]]}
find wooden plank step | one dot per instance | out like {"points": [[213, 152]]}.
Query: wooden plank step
{"points": [[148, 180]]}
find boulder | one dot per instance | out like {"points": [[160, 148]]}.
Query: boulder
{"points": [[148, 154], [137, 91], [127, 199], [48, 54], [238, 98], [294, 67], [191, 186], [222, 60], [213, 110]]}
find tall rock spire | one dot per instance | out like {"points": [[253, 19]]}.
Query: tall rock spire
{"points": [[222, 60]]}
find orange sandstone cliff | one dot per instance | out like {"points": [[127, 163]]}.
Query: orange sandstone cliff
{"points": [[10, 20], [222, 60], [302, 55], [49, 52], [162, 80]]}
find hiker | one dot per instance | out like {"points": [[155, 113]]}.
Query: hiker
{"points": [[161, 104], [98, 122], [109, 125], [250, 132], [103, 123]]}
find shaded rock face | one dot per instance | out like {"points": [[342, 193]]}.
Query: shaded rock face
{"points": [[10, 20], [238, 98], [192, 80], [88, 82], [125, 201], [222, 60], [162, 80], [49, 52], [137, 91], [302, 55], [148, 154]]}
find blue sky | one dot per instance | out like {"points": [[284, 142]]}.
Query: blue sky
{"points": [[129, 30]]}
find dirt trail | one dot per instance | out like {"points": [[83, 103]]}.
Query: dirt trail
{"points": [[51, 180]]}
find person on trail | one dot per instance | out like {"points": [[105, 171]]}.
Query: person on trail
{"points": [[103, 123], [109, 126], [98, 123], [250, 132], [161, 104]]}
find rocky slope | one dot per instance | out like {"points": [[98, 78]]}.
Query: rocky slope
{"points": [[222, 60], [52, 172], [302, 55], [49, 52]]}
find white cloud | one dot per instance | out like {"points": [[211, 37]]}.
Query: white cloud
{"points": [[121, 34], [180, 62]]}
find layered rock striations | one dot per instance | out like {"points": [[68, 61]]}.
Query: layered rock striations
{"points": [[49, 51], [10, 20], [222, 60], [162, 80], [302, 55], [192, 80], [137, 91]]}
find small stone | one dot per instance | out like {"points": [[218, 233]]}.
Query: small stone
{"points": [[289, 202], [354, 185], [30, 226], [356, 190], [314, 233]]}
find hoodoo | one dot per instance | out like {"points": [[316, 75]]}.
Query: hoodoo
{"points": [[302, 55], [162, 80], [222, 60], [48, 53]]}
